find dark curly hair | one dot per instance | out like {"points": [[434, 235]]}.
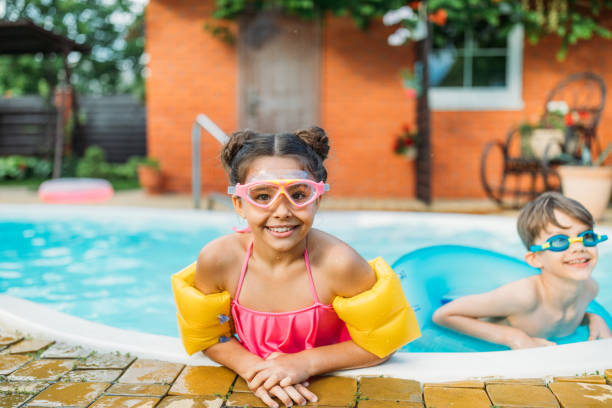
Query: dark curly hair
{"points": [[310, 146]]}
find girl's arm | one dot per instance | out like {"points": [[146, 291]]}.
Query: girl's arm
{"points": [[464, 315]]}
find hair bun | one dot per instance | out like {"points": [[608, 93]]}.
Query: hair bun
{"points": [[234, 144], [316, 138]]}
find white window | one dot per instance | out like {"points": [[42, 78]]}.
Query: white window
{"points": [[477, 74]]}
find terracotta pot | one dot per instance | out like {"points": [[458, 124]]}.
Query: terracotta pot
{"points": [[150, 179], [591, 186]]}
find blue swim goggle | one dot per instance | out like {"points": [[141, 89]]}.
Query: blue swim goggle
{"points": [[560, 243]]}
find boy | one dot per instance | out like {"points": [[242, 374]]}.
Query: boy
{"points": [[557, 232]]}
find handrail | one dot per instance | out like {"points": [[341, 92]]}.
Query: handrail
{"points": [[201, 122]]}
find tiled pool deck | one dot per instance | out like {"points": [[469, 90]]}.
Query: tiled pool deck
{"points": [[36, 372]]}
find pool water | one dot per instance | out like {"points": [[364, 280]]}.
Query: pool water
{"points": [[113, 266]]}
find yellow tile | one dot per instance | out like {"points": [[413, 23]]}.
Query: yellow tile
{"points": [[245, 399], [190, 402], [13, 401], [334, 391], [241, 385], [69, 394], [203, 380], [8, 340], [390, 389], [524, 381], [582, 395], [608, 375], [91, 376], [144, 390], [63, 350], [25, 387], [389, 404], [520, 395], [457, 384], [10, 363], [29, 346], [125, 402], [151, 372], [590, 379], [443, 397], [42, 370], [109, 360]]}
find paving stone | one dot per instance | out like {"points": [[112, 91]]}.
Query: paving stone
{"points": [[42, 370], [589, 379], [10, 363], [582, 395], [457, 384], [24, 387], [108, 360], [245, 399], [29, 346], [334, 391], [73, 395], [125, 402], [390, 389], [608, 374], [144, 371], [525, 381], [389, 404], [241, 385], [190, 402], [13, 401], [141, 390], [521, 396], [63, 350], [203, 380], [91, 376], [6, 340], [443, 397]]}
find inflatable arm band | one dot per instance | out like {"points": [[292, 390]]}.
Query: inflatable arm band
{"points": [[380, 320], [203, 320]]}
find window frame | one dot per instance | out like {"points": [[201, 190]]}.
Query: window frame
{"points": [[509, 97]]}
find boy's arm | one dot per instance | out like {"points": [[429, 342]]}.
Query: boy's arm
{"points": [[464, 314]]}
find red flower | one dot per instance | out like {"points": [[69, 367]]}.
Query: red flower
{"points": [[439, 17], [408, 142], [406, 128], [414, 4], [569, 119]]}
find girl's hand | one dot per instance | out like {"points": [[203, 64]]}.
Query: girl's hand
{"points": [[279, 369], [521, 340], [598, 329], [297, 393]]}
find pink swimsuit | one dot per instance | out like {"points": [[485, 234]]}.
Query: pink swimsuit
{"points": [[263, 333]]}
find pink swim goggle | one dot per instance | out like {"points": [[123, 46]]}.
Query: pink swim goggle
{"points": [[262, 193]]}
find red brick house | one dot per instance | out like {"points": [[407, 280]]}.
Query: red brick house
{"points": [[348, 82]]}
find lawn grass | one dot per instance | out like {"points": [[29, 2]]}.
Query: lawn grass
{"points": [[33, 184]]}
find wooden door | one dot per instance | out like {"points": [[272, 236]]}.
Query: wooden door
{"points": [[279, 72]]}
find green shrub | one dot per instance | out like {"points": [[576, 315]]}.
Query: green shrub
{"points": [[22, 167]]}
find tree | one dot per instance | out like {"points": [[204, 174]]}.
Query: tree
{"points": [[114, 29]]}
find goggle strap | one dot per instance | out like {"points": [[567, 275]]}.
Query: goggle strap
{"points": [[231, 190]]}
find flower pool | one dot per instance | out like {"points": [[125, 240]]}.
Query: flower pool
{"points": [[113, 265]]}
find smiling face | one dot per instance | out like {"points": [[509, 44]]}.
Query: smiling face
{"points": [[575, 263], [282, 226]]}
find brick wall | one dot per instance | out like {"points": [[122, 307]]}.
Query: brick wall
{"points": [[363, 105]]}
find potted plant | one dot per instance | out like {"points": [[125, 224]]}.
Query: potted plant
{"points": [[149, 175], [546, 137], [406, 143], [588, 181]]}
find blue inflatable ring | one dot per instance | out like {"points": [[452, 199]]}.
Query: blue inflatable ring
{"points": [[435, 275]]}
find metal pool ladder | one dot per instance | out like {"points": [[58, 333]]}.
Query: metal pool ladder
{"points": [[202, 122]]}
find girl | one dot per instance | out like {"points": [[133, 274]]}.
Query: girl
{"points": [[280, 273]]}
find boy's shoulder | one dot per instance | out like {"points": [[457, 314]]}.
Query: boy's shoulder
{"points": [[522, 295]]}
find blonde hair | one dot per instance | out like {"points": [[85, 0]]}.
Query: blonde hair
{"points": [[537, 214]]}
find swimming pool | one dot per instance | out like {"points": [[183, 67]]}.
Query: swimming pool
{"points": [[112, 265]]}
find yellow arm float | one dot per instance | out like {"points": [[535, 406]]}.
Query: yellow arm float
{"points": [[380, 320], [203, 320]]}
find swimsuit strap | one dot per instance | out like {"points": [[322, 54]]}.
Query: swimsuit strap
{"points": [[246, 264], [243, 272], [312, 285]]}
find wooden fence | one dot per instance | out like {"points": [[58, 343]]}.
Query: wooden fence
{"points": [[115, 123]]}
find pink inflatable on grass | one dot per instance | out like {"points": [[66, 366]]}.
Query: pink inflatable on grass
{"points": [[75, 191]]}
